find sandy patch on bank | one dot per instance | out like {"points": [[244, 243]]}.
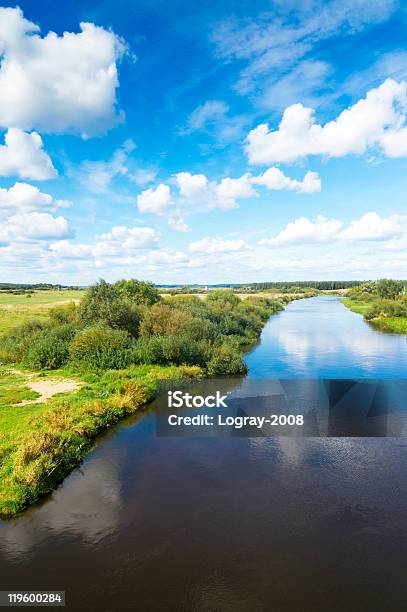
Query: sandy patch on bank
{"points": [[47, 387]]}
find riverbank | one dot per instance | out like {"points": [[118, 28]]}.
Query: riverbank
{"points": [[396, 325], [44, 437]]}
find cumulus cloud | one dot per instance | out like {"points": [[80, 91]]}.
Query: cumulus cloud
{"points": [[273, 178], [217, 245], [22, 155], [23, 197], [155, 200], [196, 193], [191, 185], [57, 83], [126, 238], [37, 226], [303, 230], [370, 227], [376, 120]]}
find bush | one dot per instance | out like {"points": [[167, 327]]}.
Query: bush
{"points": [[226, 359], [49, 348], [63, 314], [162, 320], [100, 347], [17, 341], [172, 349]]}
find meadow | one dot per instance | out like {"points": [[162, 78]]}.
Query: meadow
{"points": [[15, 308]]}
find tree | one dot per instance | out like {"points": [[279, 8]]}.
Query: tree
{"points": [[138, 292], [103, 303], [389, 288]]}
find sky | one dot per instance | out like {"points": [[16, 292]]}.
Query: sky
{"points": [[208, 142]]}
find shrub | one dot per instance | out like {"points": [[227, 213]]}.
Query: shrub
{"points": [[133, 395], [147, 350], [63, 314], [17, 341], [161, 320], [226, 359], [100, 347], [223, 297], [49, 348]]}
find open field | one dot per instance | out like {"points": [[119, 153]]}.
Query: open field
{"points": [[17, 308]]}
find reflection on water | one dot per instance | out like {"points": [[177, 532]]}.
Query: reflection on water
{"points": [[319, 338], [240, 524]]}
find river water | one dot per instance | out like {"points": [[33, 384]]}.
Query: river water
{"points": [[239, 524]]}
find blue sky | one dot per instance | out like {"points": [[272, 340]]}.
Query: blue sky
{"points": [[202, 142]]}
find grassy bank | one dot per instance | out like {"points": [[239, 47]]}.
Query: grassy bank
{"points": [[114, 348], [381, 303], [42, 442]]}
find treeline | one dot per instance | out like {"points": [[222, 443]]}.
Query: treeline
{"points": [[320, 285], [23, 287], [125, 323]]}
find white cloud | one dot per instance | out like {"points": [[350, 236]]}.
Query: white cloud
{"points": [[191, 186], [142, 176], [196, 193], [273, 49], [96, 176], [122, 238], [303, 230], [155, 200], [273, 178], [373, 227], [229, 190], [207, 113], [22, 198], [177, 223], [367, 123], [22, 155], [57, 83], [213, 117], [370, 227], [64, 249], [217, 245], [37, 226]]}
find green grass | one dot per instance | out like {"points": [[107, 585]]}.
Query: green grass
{"points": [[396, 325], [41, 443], [17, 308]]}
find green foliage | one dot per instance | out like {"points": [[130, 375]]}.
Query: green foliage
{"points": [[161, 320], [226, 359], [138, 292], [18, 340], [66, 313], [100, 347], [223, 297], [49, 348], [103, 303], [388, 288]]}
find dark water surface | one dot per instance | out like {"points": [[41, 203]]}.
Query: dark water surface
{"points": [[239, 524]]}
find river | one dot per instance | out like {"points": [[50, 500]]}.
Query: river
{"points": [[233, 523]]}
